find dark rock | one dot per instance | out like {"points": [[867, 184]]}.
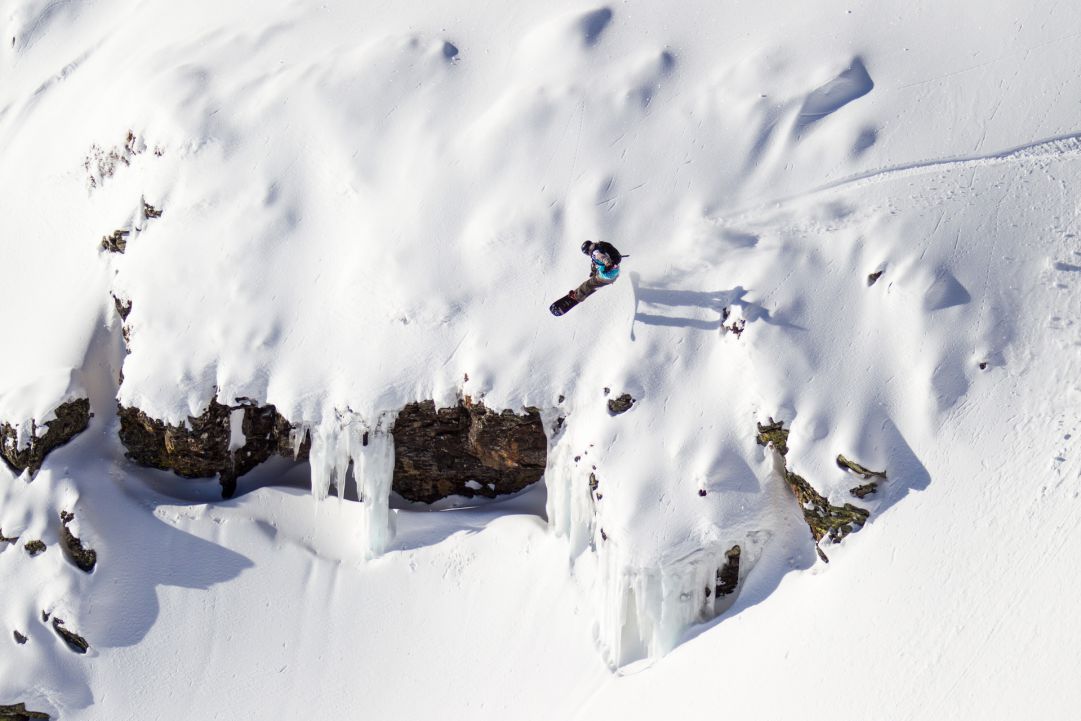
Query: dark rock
{"points": [[859, 470], [6, 539], [728, 574], [201, 449], [74, 641], [117, 242], [71, 419], [84, 558], [438, 451], [702, 492], [983, 365], [19, 712], [19, 638], [150, 211], [45, 616], [773, 434], [865, 490], [873, 277], [35, 547], [123, 307], [621, 404]]}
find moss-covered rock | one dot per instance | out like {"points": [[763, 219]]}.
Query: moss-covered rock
{"points": [[71, 419], [865, 489], [823, 518], [622, 404], [35, 547], [773, 434]]}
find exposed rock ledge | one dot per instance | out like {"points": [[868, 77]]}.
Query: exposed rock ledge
{"points": [[465, 450], [71, 419], [202, 448]]}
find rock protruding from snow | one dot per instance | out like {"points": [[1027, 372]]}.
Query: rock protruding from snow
{"points": [[203, 447], [18, 712], [465, 450], [823, 518], [622, 404], [84, 558], [24, 445], [438, 451]]}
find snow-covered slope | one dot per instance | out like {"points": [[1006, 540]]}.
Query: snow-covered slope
{"points": [[364, 206]]}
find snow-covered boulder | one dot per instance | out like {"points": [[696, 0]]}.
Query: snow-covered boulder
{"points": [[40, 415]]}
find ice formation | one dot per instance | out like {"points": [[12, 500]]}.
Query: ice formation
{"points": [[344, 444]]}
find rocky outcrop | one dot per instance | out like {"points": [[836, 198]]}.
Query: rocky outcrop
{"points": [[75, 642], [865, 489], [19, 712], [728, 574], [619, 405], [822, 518], [202, 448], [466, 450], [84, 558], [71, 419]]}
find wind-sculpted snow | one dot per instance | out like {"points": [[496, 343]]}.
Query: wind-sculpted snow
{"points": [[357, 207]]}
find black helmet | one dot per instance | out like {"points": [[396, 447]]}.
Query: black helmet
{"points": [[587, 247]]}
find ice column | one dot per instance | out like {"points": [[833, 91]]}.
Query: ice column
{"points": [[570, 505], [346, 440], [644, 610], [374, 470]]}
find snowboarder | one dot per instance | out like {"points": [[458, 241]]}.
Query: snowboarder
{"points": [[603, 270]]}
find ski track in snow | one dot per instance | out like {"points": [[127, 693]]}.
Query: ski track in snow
{"points": [[1067, 146]]}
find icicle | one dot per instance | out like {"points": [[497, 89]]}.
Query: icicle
{"points": [[569, 506], [644, 611], [373, 470], [343, 440]]}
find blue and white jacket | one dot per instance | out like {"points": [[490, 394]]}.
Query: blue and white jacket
{"points": [[600, 262]]}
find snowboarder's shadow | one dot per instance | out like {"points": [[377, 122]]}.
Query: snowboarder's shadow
{"points": [[720, 301]]}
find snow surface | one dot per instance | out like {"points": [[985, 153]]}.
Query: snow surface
{"points": [[365, 205]]}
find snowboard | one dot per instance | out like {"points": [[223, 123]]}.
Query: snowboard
{"points": [[562, 305]]}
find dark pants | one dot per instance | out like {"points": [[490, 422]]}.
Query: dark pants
{"points": [[591, 286]]}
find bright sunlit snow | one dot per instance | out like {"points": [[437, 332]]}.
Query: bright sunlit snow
{"points": [[862, 219]]}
